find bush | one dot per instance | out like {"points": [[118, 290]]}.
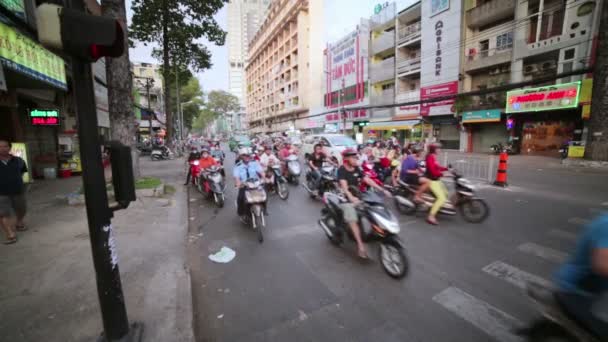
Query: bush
{"points": [[147, 183]]}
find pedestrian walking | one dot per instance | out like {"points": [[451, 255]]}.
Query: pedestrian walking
{"points": [[12, 192]]}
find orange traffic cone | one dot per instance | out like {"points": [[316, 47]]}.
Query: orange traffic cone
{"points": [[501, 173]]}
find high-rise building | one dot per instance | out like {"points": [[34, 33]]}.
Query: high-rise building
{"points": [[244, 19], [285, 67]]}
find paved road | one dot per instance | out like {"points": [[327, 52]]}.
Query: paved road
{"points": [[464, 283]]}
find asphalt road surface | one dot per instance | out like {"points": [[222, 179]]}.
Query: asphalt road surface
{"points": [[464, 282]]}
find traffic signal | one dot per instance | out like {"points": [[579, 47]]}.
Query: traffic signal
{"points": [[81, 35]]}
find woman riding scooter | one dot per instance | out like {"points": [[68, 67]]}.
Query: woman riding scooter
{"points": [[434, 172]]}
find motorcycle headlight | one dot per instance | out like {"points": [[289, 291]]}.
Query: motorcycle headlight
{"points": [[390, 224], [255, 196], [196, 162], [216, 178]]}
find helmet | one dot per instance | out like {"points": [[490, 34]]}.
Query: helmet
{"points": [[244, 151], [204, 149], [349, 152]]}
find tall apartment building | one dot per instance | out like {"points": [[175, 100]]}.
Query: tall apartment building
{"points": [[244, 19], [382, 60], [510, 41], [285, 67]]}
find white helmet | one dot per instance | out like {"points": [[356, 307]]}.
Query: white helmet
{"points": [[244, 151]]}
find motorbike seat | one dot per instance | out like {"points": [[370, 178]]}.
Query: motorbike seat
{"points": [[407, 185]]}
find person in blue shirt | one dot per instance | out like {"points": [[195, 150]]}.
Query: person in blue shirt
{"points": [[244, 170], [583, 280], [410, 172]]}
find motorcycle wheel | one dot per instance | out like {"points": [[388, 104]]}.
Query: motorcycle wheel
{"points": [[310, 184], [258, 222], [283, 191], [336, 239], [219, 200], [393, 259], [295, 180], [475, 210], [405, 209]]}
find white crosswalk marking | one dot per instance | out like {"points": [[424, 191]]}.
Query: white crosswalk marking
{"points": [[562, 234], [543, 252], [578, 221], [484, 316], [514, 275]]}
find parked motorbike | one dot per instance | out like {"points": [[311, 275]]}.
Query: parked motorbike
{"points": [[473, 209], [279, 184], [498, 148], [555, 325], [161, 153], [211, 184], [255, 201], [294, 169], [328, 182], [377, 224], [563, 150]]}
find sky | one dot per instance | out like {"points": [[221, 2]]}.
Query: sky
{"points": [[336, 26]]}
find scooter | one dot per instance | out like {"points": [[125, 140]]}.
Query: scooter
{"points": [[211, 184], [161, 153], [555, 325], [195, 171], [293, 169], [376, 222], [563, 150], [473, 209], [255, 202], [328, 182], [279, 184]]}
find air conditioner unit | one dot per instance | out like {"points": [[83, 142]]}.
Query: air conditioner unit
{"points": [[530, 69], [548, 65]]}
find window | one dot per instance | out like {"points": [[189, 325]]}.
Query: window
{"points": [[569, 54], [504, 41], [484, 46]]}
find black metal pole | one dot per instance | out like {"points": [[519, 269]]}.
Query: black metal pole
{"points": [[109, 289]]}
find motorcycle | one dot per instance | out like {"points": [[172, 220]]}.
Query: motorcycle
{"points": [[280, 183], [563, 150], [211, 184], [255, 202], [499, 148], [368, 170], [555, 325], [161, 153], [473, 209], [376, 222], [293, 169], [195, 171], [328, 182]]}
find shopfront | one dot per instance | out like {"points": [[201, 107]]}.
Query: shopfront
{"points": [[544, 118], [33, 105], [386, 129], [484, 129]]}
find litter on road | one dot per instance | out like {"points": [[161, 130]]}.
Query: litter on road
{"points": [[224, 256]]}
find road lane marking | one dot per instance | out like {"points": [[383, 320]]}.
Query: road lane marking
{"points": [[563, 234], [578, 221], [542, 252], [514, 275], [482, 315]]}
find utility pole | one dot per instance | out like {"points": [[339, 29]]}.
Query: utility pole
{"points": [[597, 139], [148, 85]]}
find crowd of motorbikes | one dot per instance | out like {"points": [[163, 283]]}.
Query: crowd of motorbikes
{"points": [[377, 222]]}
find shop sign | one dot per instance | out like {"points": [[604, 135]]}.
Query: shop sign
{"points": [[492, 115], [576, 151], [585, 97], [15, 6], [439, 107], [20, 53], [44, 117], [559, 96]]}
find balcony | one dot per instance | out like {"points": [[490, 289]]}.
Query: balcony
{"points": [[383, 71], [383, 97], [408, 96], [408, 66], [487, 58], [385, 18], [384, 42], [410, 33], [489, 12]]}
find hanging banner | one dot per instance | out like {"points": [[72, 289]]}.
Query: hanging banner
{"points": [[558, 96]]}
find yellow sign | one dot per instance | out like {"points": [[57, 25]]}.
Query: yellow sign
{"points": [[22, 54], [586, 112], [576, 151], [20, 150], [585, 98]]}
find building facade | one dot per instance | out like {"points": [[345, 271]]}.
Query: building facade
{"points": [[153, 108], [284, 73], [244, 19]]}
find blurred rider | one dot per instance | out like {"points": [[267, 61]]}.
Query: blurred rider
{"points": [[434, 172], [245, 170]]}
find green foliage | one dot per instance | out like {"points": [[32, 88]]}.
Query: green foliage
{"points": [[222, 102], [205, 117], [147, 183], [190, 96]]}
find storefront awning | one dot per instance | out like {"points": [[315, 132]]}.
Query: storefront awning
{"points": [[390, 125], [477, 116]]}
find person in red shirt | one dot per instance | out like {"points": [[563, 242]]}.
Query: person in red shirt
{"points": [[206, 160], [434, 172], [285, 152]]}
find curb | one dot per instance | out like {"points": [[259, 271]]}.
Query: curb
{"points": [[585, 163]]}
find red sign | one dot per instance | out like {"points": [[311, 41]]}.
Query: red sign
{"points": [[42, 121], [439, 90], [558, 96]]}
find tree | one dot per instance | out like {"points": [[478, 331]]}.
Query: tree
{"points": [[222, 102], [119, 82], [597, 139], [205, 117], [191, 96], [177, 25]]}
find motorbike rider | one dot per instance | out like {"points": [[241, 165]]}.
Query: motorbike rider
{"points": [[410, 172], [350, 176], [206, 161], [246, 169], [268, 159], [285, 152], [315, 162], [194, 155], [434, 172]]}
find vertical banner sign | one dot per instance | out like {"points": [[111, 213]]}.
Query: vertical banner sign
{"points": [[345, 65], [440, 54]]}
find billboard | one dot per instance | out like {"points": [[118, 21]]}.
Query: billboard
{"points": [[440, 54], [346, 78], [558, 96]]}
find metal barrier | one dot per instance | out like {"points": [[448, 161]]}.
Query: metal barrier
{"points": [[476, 167]]}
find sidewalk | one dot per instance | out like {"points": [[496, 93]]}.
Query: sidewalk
{"points": [[48, 289]]}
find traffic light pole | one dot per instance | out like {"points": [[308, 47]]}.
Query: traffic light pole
{"points": [[109, 289]]}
